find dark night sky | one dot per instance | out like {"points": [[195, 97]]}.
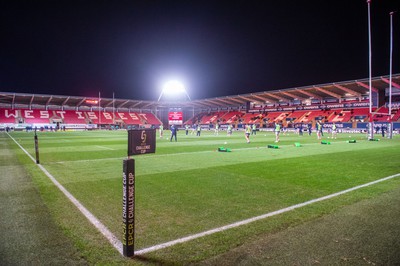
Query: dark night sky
{"points": [[216, 48]]}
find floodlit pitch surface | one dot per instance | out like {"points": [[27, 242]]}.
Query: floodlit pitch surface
{"points": [[187, 187]]}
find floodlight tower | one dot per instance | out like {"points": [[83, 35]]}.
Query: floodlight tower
{"points": [[175, 90]]}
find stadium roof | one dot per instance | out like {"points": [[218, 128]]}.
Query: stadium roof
{"points": [[345, 89]]}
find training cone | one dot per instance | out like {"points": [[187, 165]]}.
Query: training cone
{"points": [[297, 144]]}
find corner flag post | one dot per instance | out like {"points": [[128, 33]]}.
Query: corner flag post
{"points": [[140, 141], [36, 148], [128, 207]]}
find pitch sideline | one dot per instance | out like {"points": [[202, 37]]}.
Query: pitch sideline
{"points": [[92, 219]]}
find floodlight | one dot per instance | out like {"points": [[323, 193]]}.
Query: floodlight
{"points": [[173, 87]]}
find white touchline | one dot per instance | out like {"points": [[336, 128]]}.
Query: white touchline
{"points": [[118, 244], [250, 220], [101, 227]]}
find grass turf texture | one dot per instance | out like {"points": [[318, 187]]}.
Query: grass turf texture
{"points": [[28, 233], [344, 237], [187, 187]]}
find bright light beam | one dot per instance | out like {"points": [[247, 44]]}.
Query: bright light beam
{"points": [[173, 87]]}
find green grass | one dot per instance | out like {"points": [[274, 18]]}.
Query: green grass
{"points": [[353, 236], [188, 187], [28, 234]]}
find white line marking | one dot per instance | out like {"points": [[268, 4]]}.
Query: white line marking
{"points": [[90, 160], [101, 227], [247, 221]]}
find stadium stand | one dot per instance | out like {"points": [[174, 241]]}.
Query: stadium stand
{"points": [[230, 117], [340, 116], [396, 115], [36, 116], [205, 119], [71, 117], [262, 108], [272, 117], [359, 114], [8, 116], [293, 117], [195, 119], [359, 111], [311, 115], [380, 117], [251, 118], [296, 115], [125, 118], [100, 118], [148, 118]]}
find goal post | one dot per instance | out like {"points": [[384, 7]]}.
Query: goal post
{"points": [[385, 123]]}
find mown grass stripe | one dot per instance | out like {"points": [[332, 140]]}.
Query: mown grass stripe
{"points": [[257, 218], [183, 153], [105, 148]]}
